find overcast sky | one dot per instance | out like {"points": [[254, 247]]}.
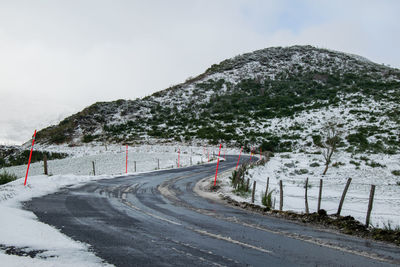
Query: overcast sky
{"points": [[57, 57]]}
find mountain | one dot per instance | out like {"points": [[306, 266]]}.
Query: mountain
{"points": [[277, 98]]}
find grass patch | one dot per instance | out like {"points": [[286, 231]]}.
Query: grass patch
{"points": [[396, 172], [266, 199], [6, 177], [375, 164], [337, 164], [314, 164], [301, 171], [355, 163]]}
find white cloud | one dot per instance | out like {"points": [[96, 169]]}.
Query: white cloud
{"points": [[57, 57]]}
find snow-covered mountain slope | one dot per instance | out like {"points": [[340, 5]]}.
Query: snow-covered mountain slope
{"points": [[276, 98]]}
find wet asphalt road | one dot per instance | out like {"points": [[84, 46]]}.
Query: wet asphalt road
{"points": [[155, 219]]}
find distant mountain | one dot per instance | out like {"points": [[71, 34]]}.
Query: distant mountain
{"points": [[277, 98]]}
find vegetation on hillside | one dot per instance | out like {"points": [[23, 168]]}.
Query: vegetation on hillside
{"points": [[16, 157], [237, 100]]}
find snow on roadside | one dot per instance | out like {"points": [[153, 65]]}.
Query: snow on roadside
{"points": [[112, 160], [293, 169], [21, 229]]}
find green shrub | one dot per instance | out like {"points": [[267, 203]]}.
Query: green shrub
{"points": [[266, 199], [88, 138], [355, 163], [314, 164], [22, 157], [317, 140], [375, 164], [301, 171], [337, 164], [2, 162], [6, 177], [358, 139], [396, 172]]}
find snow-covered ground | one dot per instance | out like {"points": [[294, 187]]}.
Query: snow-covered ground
{"points": [[21, 229], [293, 169], [113, 160]]}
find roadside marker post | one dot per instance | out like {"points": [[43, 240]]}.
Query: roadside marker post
{"points": [[94, 169], [216, 172], [251, 153], [239, 157], [260, 154], [370, 202], [30, 157]]}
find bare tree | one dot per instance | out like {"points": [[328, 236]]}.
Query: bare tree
{"points": [[331, 138]]}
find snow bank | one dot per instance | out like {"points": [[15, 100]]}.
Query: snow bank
{"points": [[112, 159], [293, 169], [21, 229]]}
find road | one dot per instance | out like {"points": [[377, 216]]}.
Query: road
{"points": [[156, 219]]}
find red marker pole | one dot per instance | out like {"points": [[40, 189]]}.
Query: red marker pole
{"points": [[126, 167], [251, 153], [30, 157], [216, 172], [239, 157], [260, 154]]}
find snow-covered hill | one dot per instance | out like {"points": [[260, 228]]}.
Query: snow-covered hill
{"points": [[275, 98]]}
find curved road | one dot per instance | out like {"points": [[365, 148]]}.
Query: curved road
{"points": [[156, 219]]}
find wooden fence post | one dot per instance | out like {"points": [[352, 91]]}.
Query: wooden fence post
{"points": [[45, 164], [319, 194], [343, 196], [266, 188], [281, 195], [94, 170], [371, 200], [254, 191], [247, 185], [306, 198]]}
